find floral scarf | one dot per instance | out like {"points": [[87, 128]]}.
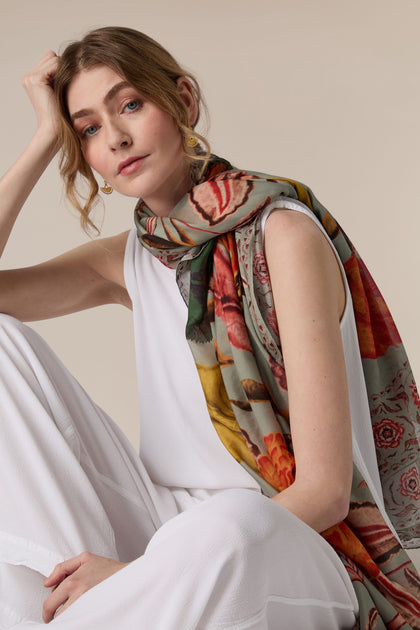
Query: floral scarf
{"points": [[213, 237]]}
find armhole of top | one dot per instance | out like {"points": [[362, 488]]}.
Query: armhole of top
{"points": [[129, 263], [286, 203]]}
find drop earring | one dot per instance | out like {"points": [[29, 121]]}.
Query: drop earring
{"points": [[192, 142], [106, 188]]}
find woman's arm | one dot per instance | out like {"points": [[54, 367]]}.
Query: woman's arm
{"points": [[309, 298], [88, 276], [18, 182], [84, 277]]}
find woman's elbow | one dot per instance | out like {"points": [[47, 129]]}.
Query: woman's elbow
{"points": [[337, 505]]}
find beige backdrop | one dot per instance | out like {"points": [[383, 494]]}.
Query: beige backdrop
{"points": [[324, 91]]}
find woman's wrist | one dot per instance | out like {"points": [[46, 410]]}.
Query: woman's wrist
{"points": [[47, 138], [18, 182]]}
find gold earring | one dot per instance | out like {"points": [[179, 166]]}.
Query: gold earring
{"points": [[106, 188], [192, 142]]}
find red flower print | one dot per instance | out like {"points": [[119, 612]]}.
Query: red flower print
{"points": [[278, 465], [259, 267], [409, 485], [375, 326], [343, 539], [388, 433], [227, 293], [215, 200], [415, 394]]}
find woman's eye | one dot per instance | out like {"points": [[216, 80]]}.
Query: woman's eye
{"points": [[90, 131], [131, 106]]}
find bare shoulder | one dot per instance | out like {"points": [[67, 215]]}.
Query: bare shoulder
{"points": [[293, 229], [301, 260]]}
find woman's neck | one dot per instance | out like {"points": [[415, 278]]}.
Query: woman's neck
{"points": [[170, 194]]}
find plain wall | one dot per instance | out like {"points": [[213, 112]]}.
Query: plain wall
{"points": [[326, 92]]}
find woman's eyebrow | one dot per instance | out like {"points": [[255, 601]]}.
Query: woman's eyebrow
{"points": [[114, 90], [108, 97]]}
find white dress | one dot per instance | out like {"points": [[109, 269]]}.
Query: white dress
{"points": [[207, 550]]}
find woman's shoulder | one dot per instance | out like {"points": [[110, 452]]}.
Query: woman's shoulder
{"points": [[298, 235], [300, 257], [288, 223]]}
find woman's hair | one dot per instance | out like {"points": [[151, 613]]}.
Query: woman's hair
{"points": [[148, 67]]}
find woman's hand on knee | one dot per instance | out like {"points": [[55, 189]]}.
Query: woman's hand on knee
{"points": [[70, 579]]}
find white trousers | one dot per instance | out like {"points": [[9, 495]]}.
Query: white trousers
{"points": [[70, 482]]}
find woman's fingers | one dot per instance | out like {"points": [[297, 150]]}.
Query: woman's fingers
{"points": [[62, 570], [38, 84], [73, 577], [50, 56], [42, 72], [54, 603], [61, 598], [64, 590]]}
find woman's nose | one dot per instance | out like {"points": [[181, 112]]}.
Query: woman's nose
{"points": [[118, 137]]}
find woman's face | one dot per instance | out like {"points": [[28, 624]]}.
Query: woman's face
{"points": [[133, 144]]}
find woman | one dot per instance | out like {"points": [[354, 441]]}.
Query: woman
{"points": [[183, 537]]}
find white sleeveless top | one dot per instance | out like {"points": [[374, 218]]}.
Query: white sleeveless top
{"points": [[178, 444]]}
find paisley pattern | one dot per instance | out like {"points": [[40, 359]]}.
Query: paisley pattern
{"points": [[213, 237]]}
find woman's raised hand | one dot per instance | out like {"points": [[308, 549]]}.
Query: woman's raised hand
{"points": [[38, 84], [18, 182]]}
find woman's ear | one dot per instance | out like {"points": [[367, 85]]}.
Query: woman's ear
{"points": [[186, 92]]}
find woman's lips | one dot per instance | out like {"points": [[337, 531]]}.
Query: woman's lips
{"points": [[130, 165]]}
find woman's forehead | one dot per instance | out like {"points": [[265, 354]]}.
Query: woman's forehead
{"points": [[91, 87]]}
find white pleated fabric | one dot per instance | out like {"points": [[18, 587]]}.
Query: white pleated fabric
{"points": [[72, 482]]}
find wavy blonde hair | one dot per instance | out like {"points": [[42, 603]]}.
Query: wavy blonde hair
{"points": [[148, 67]]}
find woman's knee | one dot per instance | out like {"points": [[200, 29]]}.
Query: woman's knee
{"points": [[12, 331], [9, 322], [16, 342], [245, 517], [232, 523], [252, 526]]}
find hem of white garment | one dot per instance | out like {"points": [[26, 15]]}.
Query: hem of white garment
{"points": [[291, 601], [23, 552]]}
